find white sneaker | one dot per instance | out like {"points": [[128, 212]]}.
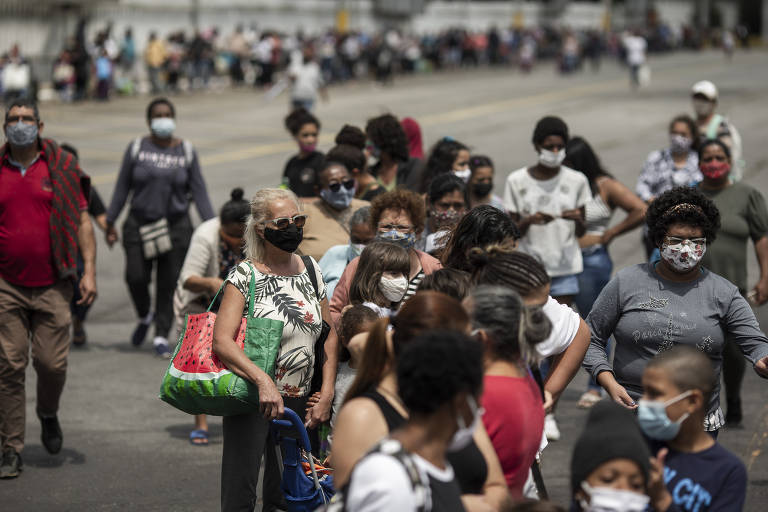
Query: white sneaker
{"points": [[550, 428]]}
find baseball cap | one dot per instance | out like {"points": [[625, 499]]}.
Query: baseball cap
{"points": [[705, 88]]}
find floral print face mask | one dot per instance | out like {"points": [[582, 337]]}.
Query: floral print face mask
{"points": [[683, 254]]}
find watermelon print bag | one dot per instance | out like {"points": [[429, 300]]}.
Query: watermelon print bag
{"points": [[197, 382]]}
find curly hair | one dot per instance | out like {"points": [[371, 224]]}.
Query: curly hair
{"points": [[347, 154], [422, 371], [298, 118], [481, 226], [400, 200], [388, 135], [351, 135], [441, 158], [682, 205], [714, 142]]}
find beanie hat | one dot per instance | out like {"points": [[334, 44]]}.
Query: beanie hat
{"points": [[547, 126], [611, 432]]}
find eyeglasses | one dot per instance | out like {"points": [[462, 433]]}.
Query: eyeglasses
{"points": [[348, 184], [674, 240], [284, 222], [403, 228]]}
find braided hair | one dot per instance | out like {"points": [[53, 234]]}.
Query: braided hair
{"points": [[497, 265]]}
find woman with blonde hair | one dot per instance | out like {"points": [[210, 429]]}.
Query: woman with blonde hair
{"points": [[284, 290]]}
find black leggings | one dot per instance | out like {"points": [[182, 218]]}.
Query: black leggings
{"points": [[734, 367], [138, 270]]}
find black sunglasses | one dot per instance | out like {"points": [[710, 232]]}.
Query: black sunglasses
{"points": [[348, 184]]}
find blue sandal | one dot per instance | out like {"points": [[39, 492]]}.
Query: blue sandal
{"points": [[198, 437]]}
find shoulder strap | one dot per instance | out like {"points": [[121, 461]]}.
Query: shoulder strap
{"points": [[188, 151], [713, 125], [135, 147], [312, 276]]}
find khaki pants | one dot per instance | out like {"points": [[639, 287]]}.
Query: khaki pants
{"points": [[40, 316]]}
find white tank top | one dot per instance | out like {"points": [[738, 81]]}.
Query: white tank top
{"points": [[597, 215]]}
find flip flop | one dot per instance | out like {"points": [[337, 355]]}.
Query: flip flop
{"points": [[587, 400], [198, 437]]}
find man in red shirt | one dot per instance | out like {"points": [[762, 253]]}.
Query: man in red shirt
{"points": [[43, 222]]}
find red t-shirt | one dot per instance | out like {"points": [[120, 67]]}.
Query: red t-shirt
{"points": [[514, 420], [26, 203]]}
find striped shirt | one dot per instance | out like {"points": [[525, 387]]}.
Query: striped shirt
{"points": [[413, 285]]}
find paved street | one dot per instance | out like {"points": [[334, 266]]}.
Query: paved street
{"points": [[124, 449]]}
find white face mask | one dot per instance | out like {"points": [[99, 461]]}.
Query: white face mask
{"points": [[463, 435], [464, 174], [606, 499], [703, 108], [551, 159], [393, 289], [163, 127]]}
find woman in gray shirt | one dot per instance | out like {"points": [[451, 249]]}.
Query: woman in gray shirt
{"points": [[649, 308], [162, 175]]}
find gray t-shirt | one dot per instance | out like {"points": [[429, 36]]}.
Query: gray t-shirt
{"points": [[647, 314]]}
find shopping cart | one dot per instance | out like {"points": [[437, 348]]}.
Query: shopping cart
{"points": [[306, 484]]}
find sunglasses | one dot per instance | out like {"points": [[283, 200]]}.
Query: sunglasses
{"points": [[284, 222], [348, 184]]}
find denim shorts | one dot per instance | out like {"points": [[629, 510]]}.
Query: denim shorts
{"points": [[564, 285]]}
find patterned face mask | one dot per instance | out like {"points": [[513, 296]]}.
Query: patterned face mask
{"points": [[683, 254]]}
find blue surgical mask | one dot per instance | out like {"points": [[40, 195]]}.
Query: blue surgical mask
{"points": [[653, 419], [340, 199], [404, 240], [22, 134], [163, 127]]}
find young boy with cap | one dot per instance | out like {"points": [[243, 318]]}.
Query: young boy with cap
{"points": [[611, 463], [692, 472]]}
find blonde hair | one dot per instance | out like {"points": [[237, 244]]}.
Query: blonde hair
{"points": [[260, 213]]}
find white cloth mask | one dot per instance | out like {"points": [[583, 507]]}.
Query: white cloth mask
{"points": [[393, 288], [607, 499], [551, 159], [683, 256]]}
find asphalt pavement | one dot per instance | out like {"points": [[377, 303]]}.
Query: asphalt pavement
{"points": [[124, 449]]}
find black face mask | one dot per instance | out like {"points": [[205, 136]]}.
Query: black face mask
{"points": [[287, 239], [482, 189]]}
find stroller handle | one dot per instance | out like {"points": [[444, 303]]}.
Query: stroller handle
{"points": [[290, 421]]}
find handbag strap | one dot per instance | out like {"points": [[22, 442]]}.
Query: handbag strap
{"points": [[251, 291], [312, 276]]}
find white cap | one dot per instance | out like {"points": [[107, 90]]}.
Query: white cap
{"points": [[705, 88]]}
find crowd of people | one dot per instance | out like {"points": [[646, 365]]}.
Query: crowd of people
{"points": [[187, 60], [451, 319]]}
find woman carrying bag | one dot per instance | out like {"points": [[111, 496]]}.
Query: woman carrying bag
{"points": [[162, 174], [284, 290]]}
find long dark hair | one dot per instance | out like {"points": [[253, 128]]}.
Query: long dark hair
{"points": [[580, 156], [440, 160]]}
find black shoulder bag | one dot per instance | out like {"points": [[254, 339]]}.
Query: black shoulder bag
{"points": [[317, 376]]}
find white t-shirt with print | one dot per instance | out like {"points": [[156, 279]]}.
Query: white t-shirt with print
{"points": [[292, 300], [555, 243]]}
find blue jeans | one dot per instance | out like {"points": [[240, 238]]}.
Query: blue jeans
{"points": [[596, 274]]}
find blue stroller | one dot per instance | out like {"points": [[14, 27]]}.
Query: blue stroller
{"points": [[305, 488]]}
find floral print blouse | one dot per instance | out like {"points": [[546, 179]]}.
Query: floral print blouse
{"points": [[292, 300]]}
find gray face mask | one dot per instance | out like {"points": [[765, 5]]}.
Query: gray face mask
{"points": [[21, 134]]}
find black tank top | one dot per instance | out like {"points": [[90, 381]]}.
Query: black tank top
{"points": [[446, 496], [468, 464]]}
